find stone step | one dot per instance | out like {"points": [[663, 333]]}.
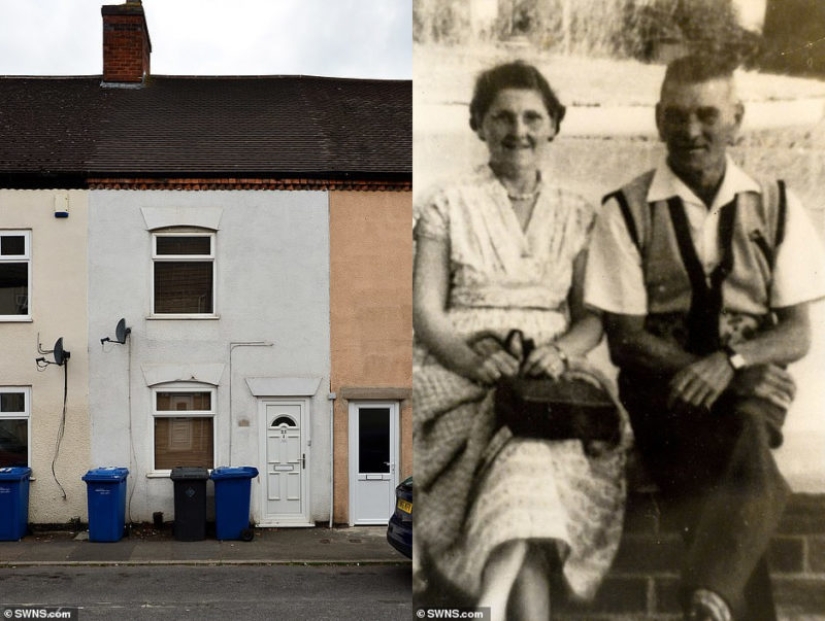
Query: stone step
{"points": [[644, 580], [643, 583]]}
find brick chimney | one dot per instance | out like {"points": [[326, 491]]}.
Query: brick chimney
{"points": [[126, 44]]}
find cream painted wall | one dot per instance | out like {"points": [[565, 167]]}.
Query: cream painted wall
{"points": [[58, 307], [370, 313]]}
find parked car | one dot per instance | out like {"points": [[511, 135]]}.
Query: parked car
{"points": [[400, 528]]}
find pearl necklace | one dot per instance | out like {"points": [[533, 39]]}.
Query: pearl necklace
{"points": [[526, 196]]}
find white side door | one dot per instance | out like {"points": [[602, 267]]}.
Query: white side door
{"points": [[285, 496], [373, 442]]}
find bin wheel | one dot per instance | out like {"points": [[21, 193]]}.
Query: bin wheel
{"points": [[247, 534]]}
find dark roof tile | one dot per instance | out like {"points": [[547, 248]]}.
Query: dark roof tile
{"points": [[258, 126]]}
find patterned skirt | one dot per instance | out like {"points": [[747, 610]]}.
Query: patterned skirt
{"points": [[541, 491]]}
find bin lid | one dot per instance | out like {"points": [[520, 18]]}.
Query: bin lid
{"points": [[234, 472], [189, 472], [15, 473], [112, 474]]}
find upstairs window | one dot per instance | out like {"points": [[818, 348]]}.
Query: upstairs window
{"points": [[14, 426], [15, 275], [184, 272]]}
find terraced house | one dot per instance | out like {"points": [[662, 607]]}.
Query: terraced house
{"points": [[227, 261]]}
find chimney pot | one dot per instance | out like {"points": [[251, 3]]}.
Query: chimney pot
{"points": [[126, 44]]}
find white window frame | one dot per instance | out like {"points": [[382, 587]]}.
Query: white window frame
{"points": [[25, 414], [185, 231], [182, 387], [355, 407], [25, 257]]}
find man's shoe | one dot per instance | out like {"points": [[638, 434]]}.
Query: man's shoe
{"points": [[707, 606], [700, 613]]}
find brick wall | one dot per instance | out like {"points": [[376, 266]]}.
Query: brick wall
{"points": [[643, 583], [126, 44]]}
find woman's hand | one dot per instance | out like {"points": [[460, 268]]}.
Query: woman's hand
{"points": [[493, 367], [546, 360]]}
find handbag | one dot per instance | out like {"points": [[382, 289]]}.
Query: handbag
{"points": [[570, 407]]}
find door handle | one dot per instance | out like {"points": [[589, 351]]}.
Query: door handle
{"points": [[391, 465], [304, 461]]}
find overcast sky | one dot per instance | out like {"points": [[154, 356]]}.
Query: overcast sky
{"points": [[341, 38]]}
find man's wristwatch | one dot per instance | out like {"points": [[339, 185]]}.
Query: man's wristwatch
{"points": [[735, 359]]}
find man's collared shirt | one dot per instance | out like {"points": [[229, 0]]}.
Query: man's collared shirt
{"points": [[615, 279]]}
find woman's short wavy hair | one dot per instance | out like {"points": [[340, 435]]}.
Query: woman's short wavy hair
{"points": [[517, 74]]}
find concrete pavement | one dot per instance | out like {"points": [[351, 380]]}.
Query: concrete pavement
{"points": [[146, 546]]}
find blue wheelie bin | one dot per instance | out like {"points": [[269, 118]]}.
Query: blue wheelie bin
{"points": [[106, 490], [14, 503], [232, 491]]}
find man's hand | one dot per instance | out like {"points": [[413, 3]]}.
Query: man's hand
{"points": [[700, 383], [768, 381]]}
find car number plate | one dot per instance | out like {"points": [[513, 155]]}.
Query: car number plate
{"points": [[404, 506]]}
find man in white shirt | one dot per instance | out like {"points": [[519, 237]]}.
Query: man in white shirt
{"points": [[703, 276]]}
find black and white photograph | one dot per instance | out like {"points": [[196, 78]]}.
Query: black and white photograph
{"points": [[617, 308]]}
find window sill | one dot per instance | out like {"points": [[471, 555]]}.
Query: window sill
{"points": [[179, 317], [15, 319]]}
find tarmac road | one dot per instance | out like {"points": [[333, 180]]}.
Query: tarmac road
{"points": [[240, 593]]}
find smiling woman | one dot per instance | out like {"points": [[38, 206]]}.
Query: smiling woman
{"points": [[516, 129], [503, 249]]}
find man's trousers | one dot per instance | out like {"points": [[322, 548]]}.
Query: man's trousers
{"points": [[716, 472]]}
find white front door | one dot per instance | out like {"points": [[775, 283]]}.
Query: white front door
{"points": [[284, 456], [373, 442]]}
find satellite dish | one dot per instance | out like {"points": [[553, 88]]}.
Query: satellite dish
{"points": [[121, 332], [60, 355]]}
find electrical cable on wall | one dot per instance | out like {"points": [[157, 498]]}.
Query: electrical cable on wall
{"points": [[61, 359], [122, 337], [134, 462], [62, 429], [232, 347]]}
